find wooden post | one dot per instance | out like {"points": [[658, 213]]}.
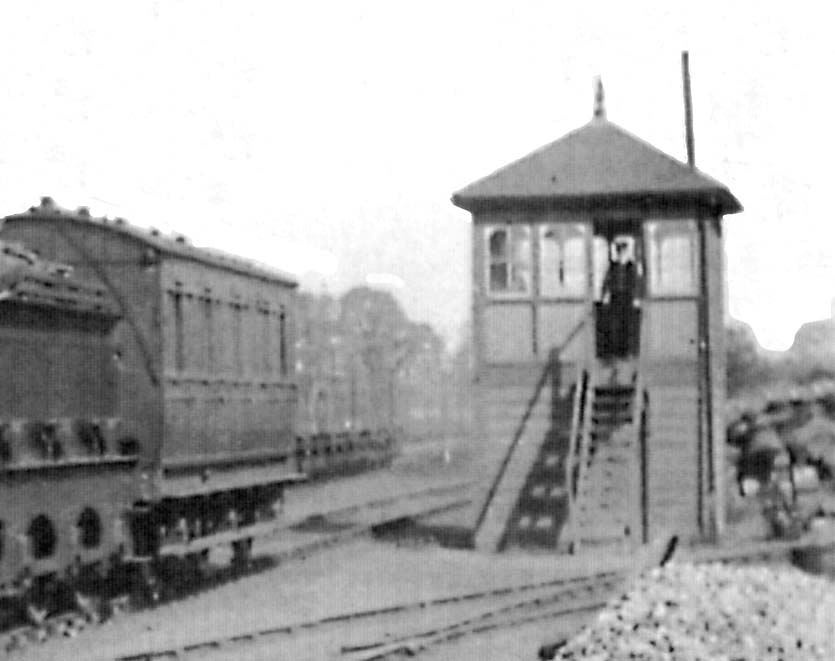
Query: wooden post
{"points": [[708, 461], [688, 109]]}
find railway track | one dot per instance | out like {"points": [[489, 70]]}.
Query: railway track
{"points": [[406, 627], [350, 522], [415, 626]]}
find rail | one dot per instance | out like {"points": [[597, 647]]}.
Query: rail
{"points": [[551, 365]]}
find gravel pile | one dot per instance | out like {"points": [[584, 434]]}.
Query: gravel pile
{"points": [[714, 612]]}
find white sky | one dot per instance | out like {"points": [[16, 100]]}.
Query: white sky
{"points": [[333, 134]]}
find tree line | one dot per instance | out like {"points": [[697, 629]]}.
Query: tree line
{"points": [[363, 364]]}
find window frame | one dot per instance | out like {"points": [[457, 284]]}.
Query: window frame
{"points": [[653, 242], [489, 262], [579, 294]]}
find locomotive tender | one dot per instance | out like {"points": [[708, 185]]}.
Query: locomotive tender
{"points": [[150, 400]]}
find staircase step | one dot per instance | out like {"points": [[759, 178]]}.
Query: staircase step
{"points": [[601, 533], [543, 492], [599, 520], [602, 435], [618, 453], [608, 501], [612, 403], [601, 486], [613, 390], [609, 423]]}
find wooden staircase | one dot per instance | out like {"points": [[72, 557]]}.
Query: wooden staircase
{"points": [[606, 507]]}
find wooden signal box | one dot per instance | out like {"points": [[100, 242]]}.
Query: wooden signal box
{"points": [[598, 294]]}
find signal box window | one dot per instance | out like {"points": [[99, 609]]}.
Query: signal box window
{"points": [[509, 260], [562, 260], [601, 258], [671, 257]]}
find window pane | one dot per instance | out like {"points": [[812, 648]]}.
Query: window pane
{"points": [[520, 276], [574, 265], [601, 265], [498, 277], [672, 258], [498, 244], [509, 259], [551, 273], [562, 263], [676, 264]]}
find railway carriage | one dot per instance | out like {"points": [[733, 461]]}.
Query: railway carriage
{"points": [[151, 406], [204, 370]]}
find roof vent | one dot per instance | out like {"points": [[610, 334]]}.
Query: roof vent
{"points": [[120, 221], [181, 239], [154, 231], [84, 212], [47, 203]]}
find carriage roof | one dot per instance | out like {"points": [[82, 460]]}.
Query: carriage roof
{"points": [[176, 245]]}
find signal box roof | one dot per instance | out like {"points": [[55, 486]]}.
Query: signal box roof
{"points": [[595, 164]]}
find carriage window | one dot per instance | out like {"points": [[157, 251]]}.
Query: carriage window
{"points": [[509, 259], [266, 315], [562, 259], [176, 298], [209, 329], [237, 339], [282, 342], [671, 257]]}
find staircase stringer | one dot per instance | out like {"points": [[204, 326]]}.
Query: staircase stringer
{"points": [[580, 393], [636, 469], [583, 451]]}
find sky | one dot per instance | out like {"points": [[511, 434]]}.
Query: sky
{"points": [[326, 138]]}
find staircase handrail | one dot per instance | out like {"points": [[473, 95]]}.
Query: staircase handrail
{"points": [[551, 364], [585, 443], [638, 406], [577, 407]]}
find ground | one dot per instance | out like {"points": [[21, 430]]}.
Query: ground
{"points": [[363, 574]]}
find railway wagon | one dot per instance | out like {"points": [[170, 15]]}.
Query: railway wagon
{"points": [[202, 350], [66, 470]]}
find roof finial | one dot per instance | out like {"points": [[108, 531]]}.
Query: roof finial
{"points": [[599, 99]]}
